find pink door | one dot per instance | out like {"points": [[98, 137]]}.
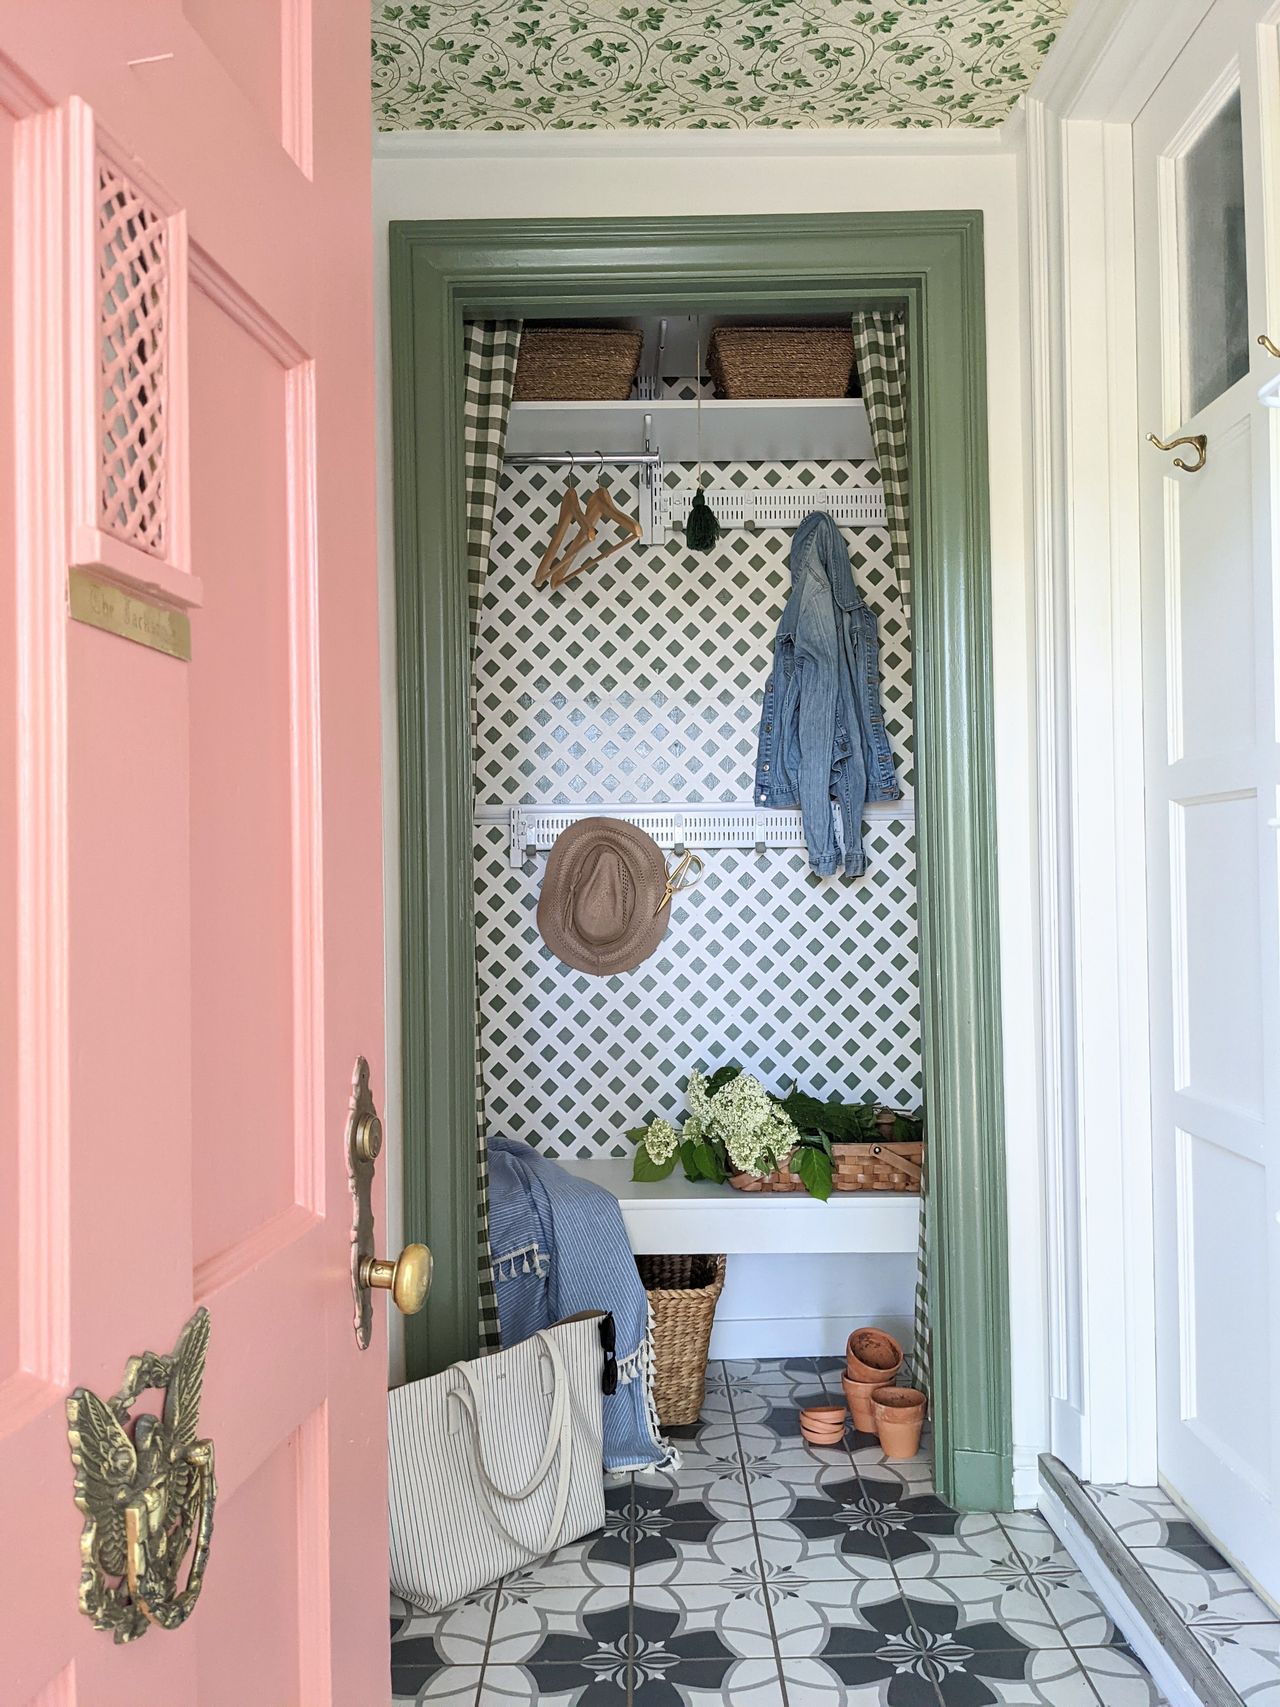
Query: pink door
{"points": [[190, 871]]}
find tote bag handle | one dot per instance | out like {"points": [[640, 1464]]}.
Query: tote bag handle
{"points": [[559, 1441]]}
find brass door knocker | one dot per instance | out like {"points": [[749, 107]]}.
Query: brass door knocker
{"points": [[146, 1497]]}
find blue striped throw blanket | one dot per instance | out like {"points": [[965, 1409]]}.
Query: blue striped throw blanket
{"points": [[559, 1245]]}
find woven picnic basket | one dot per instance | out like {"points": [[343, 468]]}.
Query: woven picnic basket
{"points": [[879, 1165], [781, 361], [577, 364], [683, 1294]]}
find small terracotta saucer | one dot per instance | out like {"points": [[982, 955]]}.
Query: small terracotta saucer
{"points": [[823, 1425]]}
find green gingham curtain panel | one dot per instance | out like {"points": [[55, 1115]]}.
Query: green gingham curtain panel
{"points": [[880, 347], [920, 1363], [490, 350]]}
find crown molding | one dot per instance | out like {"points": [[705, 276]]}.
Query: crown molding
{"points": [[873, 141], [1110, 55]]}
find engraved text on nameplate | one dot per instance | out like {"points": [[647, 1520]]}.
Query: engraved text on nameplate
{"points": [[106, 606]]}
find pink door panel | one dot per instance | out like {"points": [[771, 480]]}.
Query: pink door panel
{"points": [[190, 867]]}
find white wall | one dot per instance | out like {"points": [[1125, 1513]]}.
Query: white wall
{"points": [[462, 177]]}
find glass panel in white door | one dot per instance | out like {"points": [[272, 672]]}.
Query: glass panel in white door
{"points": [[1212, 264]]}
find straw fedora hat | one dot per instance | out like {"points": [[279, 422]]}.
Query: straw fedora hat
{"points": [[601, 904]]}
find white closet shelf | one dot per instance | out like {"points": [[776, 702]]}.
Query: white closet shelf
{"points": [[675, 1216], [757, 430]]}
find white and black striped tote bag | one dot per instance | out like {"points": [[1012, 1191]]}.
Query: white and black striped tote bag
{"points": [[495, 1463]]}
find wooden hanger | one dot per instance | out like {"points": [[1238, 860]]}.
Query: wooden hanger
{"points": [[572, 515], [600, 508]]}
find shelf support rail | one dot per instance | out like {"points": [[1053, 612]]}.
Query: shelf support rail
{"points": [[533, 829]]}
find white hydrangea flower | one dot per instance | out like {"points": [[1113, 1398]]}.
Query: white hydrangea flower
{"points": [[750, 1152], [661, 1140], [745, 1120], [697, 1098]]}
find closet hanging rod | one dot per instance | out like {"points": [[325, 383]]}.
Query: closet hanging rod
{"points": [[566, 459]]}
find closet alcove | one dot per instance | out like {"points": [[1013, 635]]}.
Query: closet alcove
{"points": [[636, 690], [786, 267]]}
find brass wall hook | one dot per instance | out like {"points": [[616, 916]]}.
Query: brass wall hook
{"points": [[1268, 346], [1198, 442]]}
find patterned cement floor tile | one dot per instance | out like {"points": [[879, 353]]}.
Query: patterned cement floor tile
{"points": [[1248, 1657], [764, 1573], [751, 1683], [1200, 1595], [997, 1612]]}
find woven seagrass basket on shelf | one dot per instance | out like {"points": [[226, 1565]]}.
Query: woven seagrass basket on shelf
{"points": [[781, 361], [577, 364], [878, 1165], [683, 1294], [857, 1167]]}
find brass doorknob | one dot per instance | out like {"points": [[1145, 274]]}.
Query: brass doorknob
{"points": [[408, 1278]]}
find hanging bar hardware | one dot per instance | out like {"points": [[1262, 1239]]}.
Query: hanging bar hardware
{"points": [[587, 459], [1198, 442], [1268, 346]]}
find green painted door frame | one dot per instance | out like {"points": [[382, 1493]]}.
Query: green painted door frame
{"points": [[932, 264]]}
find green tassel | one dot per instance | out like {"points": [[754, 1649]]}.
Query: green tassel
{"points": [[702, 530]]}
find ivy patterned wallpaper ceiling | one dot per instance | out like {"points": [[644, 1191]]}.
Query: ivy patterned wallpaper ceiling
{"points": [[704, 64]]}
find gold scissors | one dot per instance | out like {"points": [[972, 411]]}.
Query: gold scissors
{"points": [[686, 873]]}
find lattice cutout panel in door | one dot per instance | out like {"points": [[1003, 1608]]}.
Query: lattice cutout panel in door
{"points": [[794, 977], [133, 277], [129, 398]]}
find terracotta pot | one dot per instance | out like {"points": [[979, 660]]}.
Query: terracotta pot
{"points": [[872, 1355], [858, 1398], [899, 1417], [823, 1425], [832, 1440]]}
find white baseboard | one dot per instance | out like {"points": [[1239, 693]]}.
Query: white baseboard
{"points": [[807, 1304], [1026, 1478], [797, 1336]]}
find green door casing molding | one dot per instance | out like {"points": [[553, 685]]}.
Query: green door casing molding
{"points": [[931, 264]]}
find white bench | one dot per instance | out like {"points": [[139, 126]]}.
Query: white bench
{"points": [[673, 1215]]}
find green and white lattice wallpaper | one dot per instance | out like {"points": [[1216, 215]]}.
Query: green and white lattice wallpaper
{"points": [[642, 682], [704, 64]]}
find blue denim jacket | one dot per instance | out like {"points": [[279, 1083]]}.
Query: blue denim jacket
{"points": [[822, 733]]}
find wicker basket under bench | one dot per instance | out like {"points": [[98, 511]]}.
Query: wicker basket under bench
{"points": [[683, 1294]]}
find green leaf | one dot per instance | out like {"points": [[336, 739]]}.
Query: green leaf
{"points": [[845, 1122], [814, 1169], [707, 1161], [637, 1134], [645, 1168], [723, 1076], [687, 1149]]}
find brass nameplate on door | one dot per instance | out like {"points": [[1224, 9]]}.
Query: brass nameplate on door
{"points": [[104, 605]]}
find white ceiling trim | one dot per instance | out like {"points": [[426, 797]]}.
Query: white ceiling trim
{"points": [[869, 142]]}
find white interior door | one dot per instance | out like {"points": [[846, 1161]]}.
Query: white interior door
{"points": [[1206, 181]]}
